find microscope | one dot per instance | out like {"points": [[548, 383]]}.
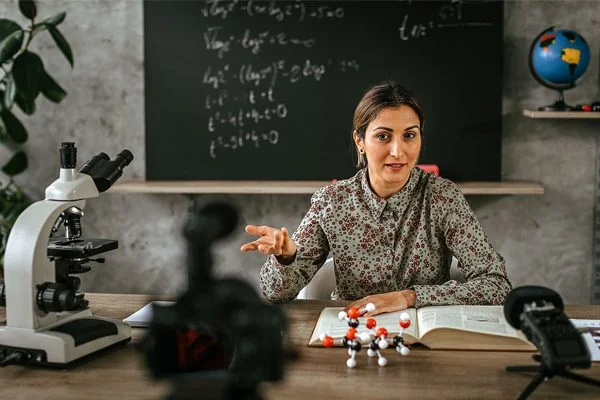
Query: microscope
{"points": [[48, 320]]}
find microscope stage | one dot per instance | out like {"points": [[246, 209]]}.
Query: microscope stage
{"points": [[80, 248]]}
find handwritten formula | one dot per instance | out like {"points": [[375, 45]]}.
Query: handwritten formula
{"points": [[253, 108]]}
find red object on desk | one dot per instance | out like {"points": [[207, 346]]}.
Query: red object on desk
{"points": [[430, 168]]}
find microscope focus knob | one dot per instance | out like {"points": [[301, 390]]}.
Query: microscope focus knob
{"points": [[55, 297]]}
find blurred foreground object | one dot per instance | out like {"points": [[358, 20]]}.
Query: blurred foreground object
{"points": [[219, 340]]}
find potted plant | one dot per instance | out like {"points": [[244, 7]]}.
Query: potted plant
{"points": [[22, 79]]}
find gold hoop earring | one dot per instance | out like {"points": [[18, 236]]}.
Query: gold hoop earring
{"points": [[361, 150]]}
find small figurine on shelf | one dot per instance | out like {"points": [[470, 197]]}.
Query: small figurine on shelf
{"points": [[376, 337]]}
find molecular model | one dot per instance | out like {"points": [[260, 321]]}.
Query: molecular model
{"points": [[375, 337]]}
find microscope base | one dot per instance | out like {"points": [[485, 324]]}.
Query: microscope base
{"points": [[62, 343]]}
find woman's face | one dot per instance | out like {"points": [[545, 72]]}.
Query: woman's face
{"points": [[392, 144]]}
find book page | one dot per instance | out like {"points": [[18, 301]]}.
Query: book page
{"points": [[481, 319], [590, 329], [329, 324]]}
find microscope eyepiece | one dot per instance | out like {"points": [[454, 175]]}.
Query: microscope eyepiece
{"points": [[93, 161], [123, 158], [105, 172], [68, 155]]}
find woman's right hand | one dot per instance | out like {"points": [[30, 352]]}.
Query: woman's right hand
{"points": [[271, 241]]}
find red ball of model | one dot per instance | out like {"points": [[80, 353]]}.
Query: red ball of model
{"points": [[382, 332], [353, 313], [328, 341], [351, 333], [371, 323], [405, 324]]}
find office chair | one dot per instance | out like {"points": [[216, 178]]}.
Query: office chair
{"points": [[322, 285], [455, 273]]}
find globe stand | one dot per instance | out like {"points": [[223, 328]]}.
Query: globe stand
{"points": [[559, 104]]}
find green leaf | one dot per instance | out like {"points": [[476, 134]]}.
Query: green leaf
{"points": [[10, 45], [51, 89], [10, 90], [15, 129], [26, 105], [28, 8], [7, 27], [14, 213], [3, 131], [62, 43], [54, 21], [16, 164], [27, 71]]}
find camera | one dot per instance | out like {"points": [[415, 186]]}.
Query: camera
{"points": [[538, 312]]}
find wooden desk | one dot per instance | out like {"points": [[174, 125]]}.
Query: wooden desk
{"points": [[319, 373]]}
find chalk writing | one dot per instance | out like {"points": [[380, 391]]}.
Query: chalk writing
{"points": [[300, 10], [242, 138], [253, 42], [297, 10], [219, 99], [242, 116], [448, 16], [257, 75]]}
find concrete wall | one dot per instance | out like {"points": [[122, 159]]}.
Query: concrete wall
{"points": [[546, 240]]}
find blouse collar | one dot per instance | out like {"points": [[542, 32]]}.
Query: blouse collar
{"points": [[396, 203]]}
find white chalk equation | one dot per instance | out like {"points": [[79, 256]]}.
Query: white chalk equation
{"points": [[215, 40], [297, 10], [448, 16], [218, 99], [243, 116], [243, 138], [270, 74]]}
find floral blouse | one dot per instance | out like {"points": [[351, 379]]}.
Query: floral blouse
{"points": [[404, 242]]}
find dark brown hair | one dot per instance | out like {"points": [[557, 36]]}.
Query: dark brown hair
{"points": [[388, 94]]}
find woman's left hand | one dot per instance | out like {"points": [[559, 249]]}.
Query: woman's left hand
{"points": [[386, 302]]}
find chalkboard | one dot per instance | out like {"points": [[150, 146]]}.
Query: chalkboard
{"points": [[266, 90]]}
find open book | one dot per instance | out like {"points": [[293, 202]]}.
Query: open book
{"points": [[437, 327]]}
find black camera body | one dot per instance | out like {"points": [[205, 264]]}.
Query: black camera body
{"points": [[538, 312], [219, 340], [560, 343]]}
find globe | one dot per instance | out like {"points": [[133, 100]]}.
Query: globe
{"points": [[557, 58]]}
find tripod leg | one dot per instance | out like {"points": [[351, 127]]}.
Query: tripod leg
{"points": [[539, 378], [579, 378], [523, 368]]}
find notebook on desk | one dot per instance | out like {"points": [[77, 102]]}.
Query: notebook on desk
{"points": [[590, 329], [142, 317]]}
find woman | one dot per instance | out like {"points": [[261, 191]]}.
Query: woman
{"points": [[392, 228]]}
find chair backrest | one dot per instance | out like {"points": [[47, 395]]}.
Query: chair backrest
{"points": [[322, 284], [455, 273]]}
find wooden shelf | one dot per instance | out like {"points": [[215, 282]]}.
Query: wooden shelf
{"points": [[562, 114], [300, 187]]}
